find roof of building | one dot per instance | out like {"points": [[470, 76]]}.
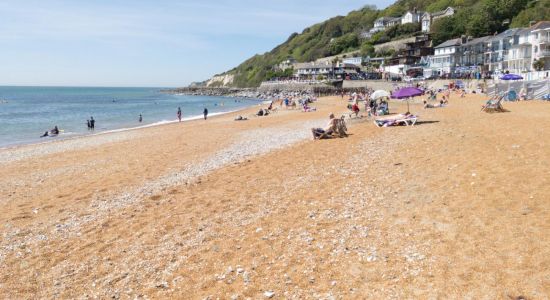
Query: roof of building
{"points": [[313, 65], [540, 26], [505, 34], [524, 31], [478, 40], [418, 12], [439, 13], [449, 43], [383, 19]]}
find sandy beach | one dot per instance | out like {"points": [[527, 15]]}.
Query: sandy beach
{"points": [[454, 207]]}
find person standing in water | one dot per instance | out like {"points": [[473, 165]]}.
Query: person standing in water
{"points": [[92, 123], [89, 125], [179, 114], [140, 118], [205, 112]]}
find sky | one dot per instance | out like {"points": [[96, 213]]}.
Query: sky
{"points": [[155, 43]]}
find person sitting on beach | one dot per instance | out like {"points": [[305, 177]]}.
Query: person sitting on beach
{"points": [[52, 132], [319, 133], [262, 113]]}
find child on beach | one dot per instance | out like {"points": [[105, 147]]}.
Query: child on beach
{"points": [[179, 113]]}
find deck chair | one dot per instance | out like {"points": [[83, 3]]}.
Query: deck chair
{"points": [[494, 105]]}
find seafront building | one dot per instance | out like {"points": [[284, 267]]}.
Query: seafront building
{"points": [[540, 40], [514, 51], [326, 70], [444, 59]]}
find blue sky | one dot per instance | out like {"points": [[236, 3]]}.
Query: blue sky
{"points": [[146, 43]]}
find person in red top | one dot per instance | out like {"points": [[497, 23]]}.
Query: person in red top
{"points": [[355, 109]]}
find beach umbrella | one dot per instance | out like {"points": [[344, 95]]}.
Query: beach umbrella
{"points": [[510, 77], [379, 94], [407, 93]]}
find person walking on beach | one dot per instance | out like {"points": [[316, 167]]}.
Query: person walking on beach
{"points": [[179, 114], [205, 112], [92, 123], [140, 118]]}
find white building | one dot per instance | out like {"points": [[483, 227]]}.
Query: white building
{"points": [[540, 39], [498, 48], [428, 18], [519, 58], [353, 61], [445, 58], [412, 17]]}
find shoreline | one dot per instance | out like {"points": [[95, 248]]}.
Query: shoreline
{"points": [[90, 135]]}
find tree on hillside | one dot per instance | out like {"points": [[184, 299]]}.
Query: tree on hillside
{"points": [[537, 10], [447, 28], [367, 49]]}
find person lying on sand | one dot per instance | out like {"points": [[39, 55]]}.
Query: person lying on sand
{"points": [[428, 105], [240, 118]]}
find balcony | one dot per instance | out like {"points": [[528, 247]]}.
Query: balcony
{"points": [[543, 39], [544, 53]]}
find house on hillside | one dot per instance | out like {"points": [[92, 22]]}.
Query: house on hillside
{"points": [[393, 22], [413, 16], [428, 18], [288, 63], [381, 23]]}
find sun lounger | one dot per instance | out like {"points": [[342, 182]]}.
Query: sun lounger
{"points": [[409, 120]]}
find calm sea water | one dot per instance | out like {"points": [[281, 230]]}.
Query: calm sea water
{"points": [[27, 112]]}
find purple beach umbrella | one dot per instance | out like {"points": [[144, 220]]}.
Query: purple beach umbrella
{"points": [[407, 93], [511, 77]]}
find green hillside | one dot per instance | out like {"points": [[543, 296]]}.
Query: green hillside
{"points": [[342, 34]]}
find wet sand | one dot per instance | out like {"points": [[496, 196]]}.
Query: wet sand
{"points": [[455, 207]]}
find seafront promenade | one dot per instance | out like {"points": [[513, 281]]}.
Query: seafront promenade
{"points": [[455, 206]]}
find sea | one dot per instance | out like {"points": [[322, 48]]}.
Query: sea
{"points": [[27, 112]]}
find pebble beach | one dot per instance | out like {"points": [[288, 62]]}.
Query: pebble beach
{"points": [[454, 207]]}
